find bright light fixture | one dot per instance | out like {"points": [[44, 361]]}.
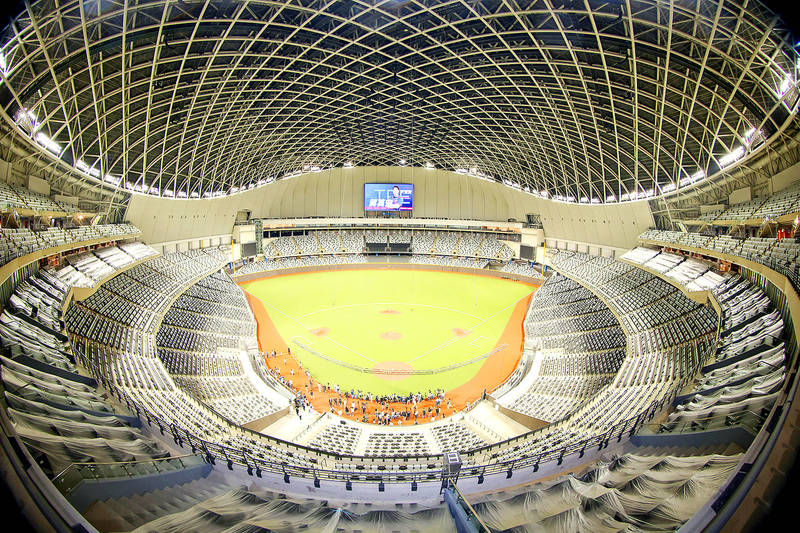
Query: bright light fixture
{"points": [[731, 157], [785, 85], [48, 143]]}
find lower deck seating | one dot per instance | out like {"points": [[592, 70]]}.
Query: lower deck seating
{"points": [[571, 331], [337, 438], [396, 444], [522, 267], [441, 260], [456, 436], [210, 322], [269, 265]]}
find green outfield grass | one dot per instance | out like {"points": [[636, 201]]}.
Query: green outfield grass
{"points": [[427, 319]]}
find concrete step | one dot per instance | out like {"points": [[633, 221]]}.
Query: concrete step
{"points": [[130, 512], [105, 518]]}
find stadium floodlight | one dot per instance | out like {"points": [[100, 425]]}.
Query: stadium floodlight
{"points": [[3, 64], [83, 167], [751, 135], [403, 162], [48, 143], [731, 157], [785, 85], [348, 164], [27, 119], [687, 180], [429, 166], [474, 172], [669, 187]]}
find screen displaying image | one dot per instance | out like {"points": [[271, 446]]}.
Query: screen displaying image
{"points": [[388, 196]]}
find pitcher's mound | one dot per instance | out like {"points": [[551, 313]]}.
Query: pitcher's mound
{"points": [[458, 332], [390, 312], [321, 332], [397, 366], [391, 335]]}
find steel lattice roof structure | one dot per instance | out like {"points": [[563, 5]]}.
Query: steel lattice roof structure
{"points": [[586, 101]]}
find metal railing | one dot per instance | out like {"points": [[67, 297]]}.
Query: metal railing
{"points": [[249, 458], [479, 524], [69, 478]]}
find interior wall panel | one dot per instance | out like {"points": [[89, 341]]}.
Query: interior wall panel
{"points": [[340, 193]]}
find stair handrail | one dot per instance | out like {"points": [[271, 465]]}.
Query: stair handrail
{"points": [[74, 473]]}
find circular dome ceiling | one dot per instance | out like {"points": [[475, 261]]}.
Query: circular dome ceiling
{"points": [[579, 101]]}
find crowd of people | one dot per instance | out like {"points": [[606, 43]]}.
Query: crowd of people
{"points": [[387, 409]]}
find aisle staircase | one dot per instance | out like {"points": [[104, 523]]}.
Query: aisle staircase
{"points": [[130, 512]]}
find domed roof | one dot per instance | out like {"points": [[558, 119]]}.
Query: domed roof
{"points": [[579, 101]]}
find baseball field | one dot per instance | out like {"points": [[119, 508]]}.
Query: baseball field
{"points": [[394, 330]]}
